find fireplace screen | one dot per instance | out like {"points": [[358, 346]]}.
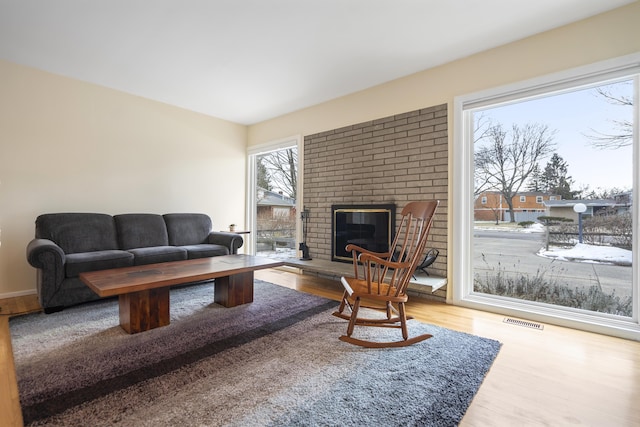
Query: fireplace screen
{"points": [[368, 226]]}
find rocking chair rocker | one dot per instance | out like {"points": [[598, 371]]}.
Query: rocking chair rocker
{"points": [[383, 278]]}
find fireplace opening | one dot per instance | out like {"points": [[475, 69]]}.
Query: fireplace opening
{"points": [[368, 226]]}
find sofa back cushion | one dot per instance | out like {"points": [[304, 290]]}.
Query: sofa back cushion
{"points": [[141, 231], [78, 232], [187, 228]]}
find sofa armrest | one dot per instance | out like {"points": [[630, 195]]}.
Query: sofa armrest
{"points": [[45, 254], [232, 241], [49, 259]]}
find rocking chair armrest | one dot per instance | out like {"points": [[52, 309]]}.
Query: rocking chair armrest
{"points": [[371, 257], [351, 247]]}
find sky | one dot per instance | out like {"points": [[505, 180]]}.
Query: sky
{"points": [[573, 115]]}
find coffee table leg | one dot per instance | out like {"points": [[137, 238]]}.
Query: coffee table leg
{"points": [[144, 310], [234, 290]]}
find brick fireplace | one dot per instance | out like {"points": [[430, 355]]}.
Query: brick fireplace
{"points": [[392, 160]]}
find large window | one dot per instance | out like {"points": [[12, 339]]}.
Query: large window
{"points": [[569, 142]]}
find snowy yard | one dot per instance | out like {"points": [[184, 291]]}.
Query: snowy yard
{"points": [[581, 252]]}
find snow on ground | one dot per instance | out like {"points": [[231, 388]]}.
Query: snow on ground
{"points": [[589, 253], [581, 252]]}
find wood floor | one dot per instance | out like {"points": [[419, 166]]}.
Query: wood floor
{"points": [[550, 377]]}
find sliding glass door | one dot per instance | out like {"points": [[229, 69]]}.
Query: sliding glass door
{"points": [[273, 199]]}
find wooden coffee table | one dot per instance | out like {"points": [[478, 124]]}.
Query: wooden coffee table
{"points": [[143, 291]]}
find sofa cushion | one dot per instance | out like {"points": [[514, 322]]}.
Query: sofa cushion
{"points": [[97, 260], [203, 251], [187, 228], [78, 232], [141, 230], [157, 254]]}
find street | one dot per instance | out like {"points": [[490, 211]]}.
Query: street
{"points": [[515, 253]]}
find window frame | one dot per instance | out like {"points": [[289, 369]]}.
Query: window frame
{"points": [[462, 194], [251, 213]]}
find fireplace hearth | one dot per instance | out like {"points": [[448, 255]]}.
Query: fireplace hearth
{"points": [[368, 226]]}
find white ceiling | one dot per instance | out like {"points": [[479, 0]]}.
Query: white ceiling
{"points": [[251, 60]]}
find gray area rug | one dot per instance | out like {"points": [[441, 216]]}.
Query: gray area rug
{"points": [[275, 362]]}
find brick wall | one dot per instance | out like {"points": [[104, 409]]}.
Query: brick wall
{"points": [[396, 159]]}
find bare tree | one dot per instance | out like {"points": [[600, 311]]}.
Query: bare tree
{"points": [[624, 136], [481, 129], [505, 160], [282, 170], [603, 193]]}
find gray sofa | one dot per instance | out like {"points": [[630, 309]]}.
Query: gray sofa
{"points": [[67, 244]]}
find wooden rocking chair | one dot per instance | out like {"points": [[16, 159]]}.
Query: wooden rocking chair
{"points": [[383, 278]]}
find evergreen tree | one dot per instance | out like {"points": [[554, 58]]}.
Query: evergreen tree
{"points": [[262, 178], [535, 180], [554, 179]]}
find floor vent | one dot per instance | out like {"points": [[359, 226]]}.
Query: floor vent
{"points": [[524, 323]]}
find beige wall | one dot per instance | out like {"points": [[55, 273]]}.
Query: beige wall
{"points": [[70, 146]]}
